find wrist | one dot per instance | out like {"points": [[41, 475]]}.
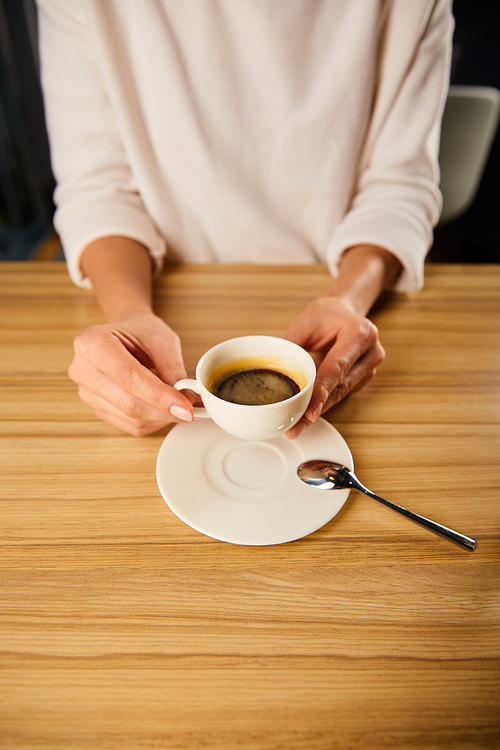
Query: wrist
{"points": [[365, 271], [120, 270]]}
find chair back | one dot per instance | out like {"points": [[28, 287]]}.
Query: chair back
{"points": [[468, 129]]}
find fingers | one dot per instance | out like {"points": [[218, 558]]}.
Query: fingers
{"points": [[104, 349], [349, 365], [118, 408], [138, 426], [352, 359], [113, 369], [163, 355]]}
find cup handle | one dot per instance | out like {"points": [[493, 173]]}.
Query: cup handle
{"points": [[192, 385]]}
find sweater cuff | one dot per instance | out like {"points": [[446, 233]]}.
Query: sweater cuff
{"points": [[77, 229], [405, 237]]}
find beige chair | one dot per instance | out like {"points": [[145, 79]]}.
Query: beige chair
{"points": [[469, 126]]}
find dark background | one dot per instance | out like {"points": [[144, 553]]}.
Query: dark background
{"points": [[475, 236], [26, 182]]}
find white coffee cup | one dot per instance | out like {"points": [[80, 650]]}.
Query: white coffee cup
{"points": [[249, 422]]}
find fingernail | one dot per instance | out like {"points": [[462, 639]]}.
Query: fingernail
{"points": [[294, 433], [180, 412], [315, 414]]}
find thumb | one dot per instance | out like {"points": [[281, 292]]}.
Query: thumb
{"points": [[164, 351], [169, 368]]}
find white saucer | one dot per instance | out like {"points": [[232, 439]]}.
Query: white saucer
{"points": [[248, 492]]}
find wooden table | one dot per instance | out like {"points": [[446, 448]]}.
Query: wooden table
{"points": [[121, 627]]}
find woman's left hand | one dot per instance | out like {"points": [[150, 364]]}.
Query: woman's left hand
{"points": [[346, 348]]}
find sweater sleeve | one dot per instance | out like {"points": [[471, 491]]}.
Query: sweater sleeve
{"points": [[96, 195], [396, 201]]}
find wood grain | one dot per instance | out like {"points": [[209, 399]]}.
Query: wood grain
{"points": [[121, 627]]}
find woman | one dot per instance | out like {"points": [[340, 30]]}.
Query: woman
{"points": [[240, 131]]}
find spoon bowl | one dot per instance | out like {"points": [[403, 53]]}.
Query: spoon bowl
{"points": [[328, 475]]}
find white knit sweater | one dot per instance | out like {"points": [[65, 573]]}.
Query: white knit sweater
{"points": [[247, 131]]}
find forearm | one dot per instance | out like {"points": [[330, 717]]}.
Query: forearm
{"points": [[365, 271], [120, 270]]}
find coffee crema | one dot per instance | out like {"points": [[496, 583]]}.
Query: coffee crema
{"points": [[254, 386]]}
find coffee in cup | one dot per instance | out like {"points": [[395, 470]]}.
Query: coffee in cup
{"points": [[252, 382]]}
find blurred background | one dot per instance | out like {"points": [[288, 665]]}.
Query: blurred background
{"points": [[26, 181]]}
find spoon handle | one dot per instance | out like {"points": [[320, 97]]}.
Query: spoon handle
{"points": [[437, 528]]}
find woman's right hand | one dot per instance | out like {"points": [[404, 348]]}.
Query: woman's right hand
{"points": [[125, 371]]}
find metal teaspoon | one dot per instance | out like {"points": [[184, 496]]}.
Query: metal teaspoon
{"points": [[328, 475]]}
